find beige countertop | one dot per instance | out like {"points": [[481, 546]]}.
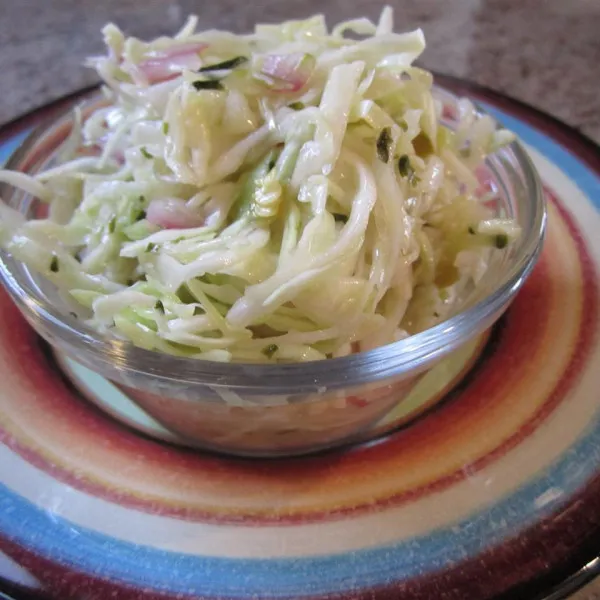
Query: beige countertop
{"points": [[544, 52]]}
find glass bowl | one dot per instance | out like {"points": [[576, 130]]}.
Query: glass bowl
{"points": [[279, 410]]}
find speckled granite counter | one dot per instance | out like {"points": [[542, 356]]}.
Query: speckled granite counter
{"points": [[544, 52]]}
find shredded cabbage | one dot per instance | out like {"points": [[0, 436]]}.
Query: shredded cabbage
{"points": [[287, 195]]}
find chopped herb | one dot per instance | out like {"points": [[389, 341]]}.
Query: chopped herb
{"points": [[272, 164], [165, 127], [226, 64], [145, 153], [112, 225], [269, 350], [340, 218], [404, 166], [403, 125], [406, 170], [209, 84], [151, 247], [436, 314], [159, 306], [296, 105], [140, 213], [74, 315], [471, 230], [54, 266], [423, 145], [384, 144], [501, 241]]}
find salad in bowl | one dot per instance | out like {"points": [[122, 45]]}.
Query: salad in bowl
{"points": [[288, 195], [267, 239]]}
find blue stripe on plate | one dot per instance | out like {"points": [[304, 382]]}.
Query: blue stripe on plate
{"points": [[99, 555], [103, 556], [563, 158], [8, 147]]}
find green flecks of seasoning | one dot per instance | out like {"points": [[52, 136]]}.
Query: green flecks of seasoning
{"points": [[403, 125], [112, 225], [296, 105], [160, 307], [501, 241], [141, 213], [269, 350], [384, 144], [225, 65], [145, 153], [471, 230], [165, 128], [54, 266], [406, 170], [151, 247], [209, 84], [404, 166]]}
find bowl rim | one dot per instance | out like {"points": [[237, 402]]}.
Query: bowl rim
{"points": [[396, 360]]}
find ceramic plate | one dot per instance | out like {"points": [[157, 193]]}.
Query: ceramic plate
{"points": [[494, 493]]}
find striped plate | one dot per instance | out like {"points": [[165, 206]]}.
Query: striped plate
{"points": [[495, 493]]}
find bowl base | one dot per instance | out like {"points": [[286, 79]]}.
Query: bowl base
{"points": [[433, 387]]}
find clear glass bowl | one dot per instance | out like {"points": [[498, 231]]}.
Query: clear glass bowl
{"points": [[278, 410]]}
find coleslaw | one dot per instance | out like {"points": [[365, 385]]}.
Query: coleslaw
{"points": [[287, 195]]}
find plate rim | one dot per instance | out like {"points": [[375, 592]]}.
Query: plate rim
{"points": [[580, 568]]}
